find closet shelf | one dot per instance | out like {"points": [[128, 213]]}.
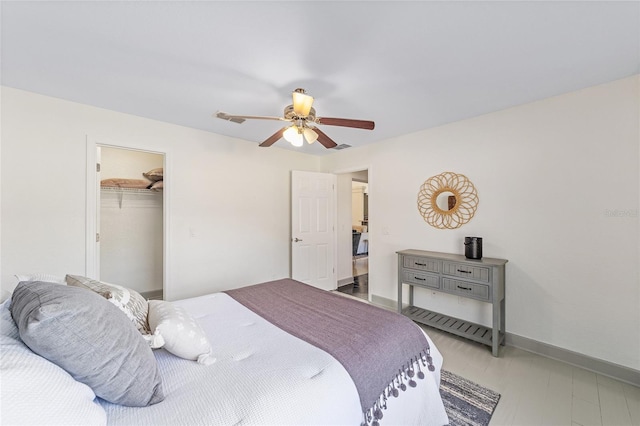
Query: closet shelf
{"points": [[119, 193], [118, 190]]}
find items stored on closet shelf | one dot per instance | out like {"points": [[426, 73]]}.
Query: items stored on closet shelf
{"points": [[154, 181], [152, 184], [156, 176]]}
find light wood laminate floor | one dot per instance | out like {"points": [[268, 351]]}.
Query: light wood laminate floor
{"points": [[536, 390]]}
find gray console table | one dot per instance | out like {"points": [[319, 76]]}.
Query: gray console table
{"points": [[482, 279]]}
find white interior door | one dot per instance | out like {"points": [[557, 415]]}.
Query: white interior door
{"points": [[313, 236]]}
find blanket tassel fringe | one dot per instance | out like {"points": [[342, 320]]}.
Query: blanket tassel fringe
{"points": [[405, 375]]}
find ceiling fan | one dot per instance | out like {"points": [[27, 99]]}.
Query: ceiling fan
{"points": [[304, 121]]}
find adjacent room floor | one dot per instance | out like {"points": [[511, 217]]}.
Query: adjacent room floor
{"points": [[360, 286]]}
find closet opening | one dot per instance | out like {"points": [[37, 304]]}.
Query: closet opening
{"points": [[130, 219]]}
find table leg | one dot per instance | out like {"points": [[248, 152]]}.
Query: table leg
{"points": [[495, 333]]}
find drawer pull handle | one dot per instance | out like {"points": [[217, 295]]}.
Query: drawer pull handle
{"points": [[464, 272], [420, 264], [464, 288], [420, 279]]}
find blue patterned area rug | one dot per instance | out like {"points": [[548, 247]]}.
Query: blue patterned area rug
{"points": [[466, 403]]}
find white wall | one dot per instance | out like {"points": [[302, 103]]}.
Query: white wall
{"points": [[127, 163], [557, 180], [131, 240], [229, 210], [550, 176]]}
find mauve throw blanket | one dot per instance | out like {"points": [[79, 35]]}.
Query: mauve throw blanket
{"points": [[381, 350]]}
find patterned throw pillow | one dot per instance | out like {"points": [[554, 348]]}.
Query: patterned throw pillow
{"points": [[182, 335], [129, 301]]}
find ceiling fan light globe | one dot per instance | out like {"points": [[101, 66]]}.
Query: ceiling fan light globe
{"points": [[302, 103], [293, 136], [310, 135]]}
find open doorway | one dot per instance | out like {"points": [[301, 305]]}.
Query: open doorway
{"points": [[123, 164], [354, 211], [131, 216]]}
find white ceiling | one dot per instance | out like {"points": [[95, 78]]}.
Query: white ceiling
{"points": [[406, 65]]}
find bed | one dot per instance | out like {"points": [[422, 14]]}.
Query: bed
{"points": [[250, 370]]}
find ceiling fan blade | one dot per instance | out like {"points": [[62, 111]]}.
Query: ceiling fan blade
{"points": [[273, 138], [346, 122], [241, 118], [324, 139]]}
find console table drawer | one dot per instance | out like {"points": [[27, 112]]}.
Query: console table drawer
{"points": [[476, 273], [467, 289], [426, 280], [421, 264]]}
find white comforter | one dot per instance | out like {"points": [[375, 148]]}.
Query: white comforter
{"points": [[264, 376]]}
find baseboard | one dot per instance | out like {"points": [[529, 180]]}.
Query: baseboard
{"points": [[606, 368], [383, 302], [151, 295], [345, 281]]}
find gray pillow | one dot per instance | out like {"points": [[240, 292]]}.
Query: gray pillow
{"points": [[89, 337]]}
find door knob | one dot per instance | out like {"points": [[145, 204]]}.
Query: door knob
{"points": [[295, 240]]}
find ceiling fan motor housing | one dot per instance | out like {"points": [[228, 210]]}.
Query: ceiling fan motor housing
{"points": [[290, 114]]}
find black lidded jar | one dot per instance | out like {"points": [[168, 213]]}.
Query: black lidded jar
{"points": [[473, 247]]}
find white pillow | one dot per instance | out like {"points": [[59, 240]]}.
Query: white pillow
{"points": [[4, 295], [47, 278], [35, 391], [182, 335]]}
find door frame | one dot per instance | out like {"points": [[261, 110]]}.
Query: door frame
{"points": [[368, 168], [92, 198]]}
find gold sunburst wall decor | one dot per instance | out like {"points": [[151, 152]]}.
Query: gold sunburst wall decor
{"points": [[447, 200]]}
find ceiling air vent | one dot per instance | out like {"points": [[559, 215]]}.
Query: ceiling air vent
{"points": [[342, 146]]}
